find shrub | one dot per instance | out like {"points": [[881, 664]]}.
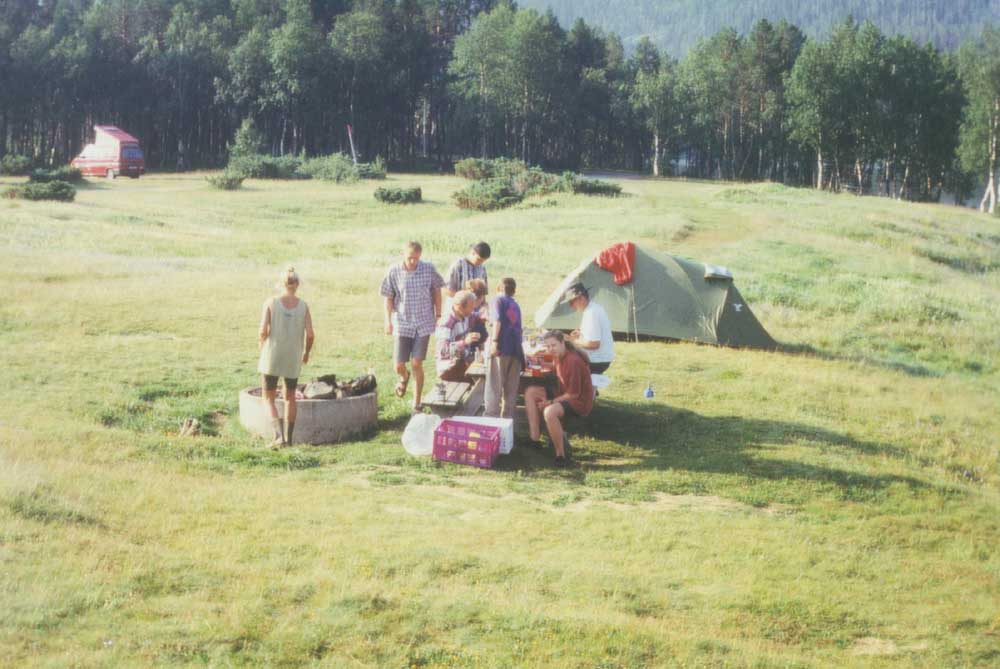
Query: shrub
{"points": [[15, 166], [535, 181], [64, 173], [473, 168], [50, 190], [372, 170], [496, 168], [596, 187], [487, 195], [398, 195], [336, 167], [226, 180], [248, 140]]}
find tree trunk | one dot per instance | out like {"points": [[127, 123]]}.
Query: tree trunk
{"points": [[905, 182], [858, 172], [656, 153], [819, 169], [989, 201]]}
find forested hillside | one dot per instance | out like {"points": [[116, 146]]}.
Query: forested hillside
{"points": [[675, 25]]}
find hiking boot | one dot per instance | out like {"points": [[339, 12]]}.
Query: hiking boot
{"points": [[560, 461], [534, 443]]}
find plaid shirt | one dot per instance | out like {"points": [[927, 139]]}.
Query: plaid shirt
{"points": [[461, 271], [412, 296]]}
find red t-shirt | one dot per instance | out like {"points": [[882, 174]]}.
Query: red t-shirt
{"points": [[574, 378]]}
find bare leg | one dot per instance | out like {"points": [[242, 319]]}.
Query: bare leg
{"points": [[401, 371], [553, 416], [532, 396], [291, 410], [272, 408], [418, 381]]}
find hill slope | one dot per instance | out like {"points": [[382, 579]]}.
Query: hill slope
{"points": [[676, 25]]}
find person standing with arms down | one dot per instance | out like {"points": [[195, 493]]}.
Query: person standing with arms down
{"points": [[506, 352], [594, 336], [412, 292], [472, 266], [285, 338]]}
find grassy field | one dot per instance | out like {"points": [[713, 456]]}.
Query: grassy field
{"points": [[833, 504]]}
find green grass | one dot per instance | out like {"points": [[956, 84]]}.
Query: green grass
{"points": [[831, 504]]}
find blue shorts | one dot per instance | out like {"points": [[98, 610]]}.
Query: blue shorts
{"points": [[407, 348]]}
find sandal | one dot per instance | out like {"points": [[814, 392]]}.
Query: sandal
{"points": [[401, 386], [418, 407]]}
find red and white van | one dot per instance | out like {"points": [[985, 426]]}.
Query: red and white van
{"points": [[113, 153]]}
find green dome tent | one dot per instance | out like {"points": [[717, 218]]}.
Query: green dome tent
{"points": [[668, 297]]}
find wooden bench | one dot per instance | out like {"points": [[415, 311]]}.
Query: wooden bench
{"points": [[451, 398]]}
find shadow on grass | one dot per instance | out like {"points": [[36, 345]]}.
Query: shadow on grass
{"points": [[651, 437]]}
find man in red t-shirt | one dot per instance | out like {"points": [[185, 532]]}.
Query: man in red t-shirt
{"points": [[575, 395]]}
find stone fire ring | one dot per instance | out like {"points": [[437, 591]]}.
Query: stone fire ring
{"points": [[317, 421]]}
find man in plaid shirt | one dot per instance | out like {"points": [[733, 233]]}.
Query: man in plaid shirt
{"points": [[412, 292]]}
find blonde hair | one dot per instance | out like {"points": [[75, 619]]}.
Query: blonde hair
{"points": [[477, 286], [288, 277]]}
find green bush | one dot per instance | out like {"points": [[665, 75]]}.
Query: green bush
{"points": [[15, 166], [372, 170], [64, 173], [473, 168], [487, 195], [247, 142], [266, 167], [398, 195], [596, 187], [535, 181], [226, 180], [495, 168], [336, 167], [49, 190]]}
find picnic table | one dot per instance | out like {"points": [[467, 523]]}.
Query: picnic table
{"points": [[458, 398]]}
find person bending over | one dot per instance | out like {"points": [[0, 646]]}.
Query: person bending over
{"points": [[412, 292], [574, 395], [285, 338], [455, 338]]}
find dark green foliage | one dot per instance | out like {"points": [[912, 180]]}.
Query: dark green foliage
{"points": [[336, 167], [15, 166], [596, 187], [398, 195], [50, 190], [487, 195], [65, 173], [226, 180]]}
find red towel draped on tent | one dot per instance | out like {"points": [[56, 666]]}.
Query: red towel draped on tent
{"points": [[619, 260]]}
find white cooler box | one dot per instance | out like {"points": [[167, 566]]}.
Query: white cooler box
{"points": [[506, 426]]}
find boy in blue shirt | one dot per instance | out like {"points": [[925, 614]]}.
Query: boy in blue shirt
{"points": [[506, 352]]}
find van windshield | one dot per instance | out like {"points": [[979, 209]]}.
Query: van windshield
{"points": [[132, 153]]}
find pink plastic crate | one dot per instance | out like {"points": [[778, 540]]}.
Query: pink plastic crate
{"points": [[466, 444]]}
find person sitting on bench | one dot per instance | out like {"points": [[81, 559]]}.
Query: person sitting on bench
{"points": [[594, 335], [575, 395], [455, 338]]}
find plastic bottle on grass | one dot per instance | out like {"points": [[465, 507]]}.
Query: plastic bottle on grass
{"points": [[648, 393]]}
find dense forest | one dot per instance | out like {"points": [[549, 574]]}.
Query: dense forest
{"points": [[676, 25], [423, 82]]}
